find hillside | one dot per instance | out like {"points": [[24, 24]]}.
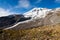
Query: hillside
{"points": [[47, 17], [7, 21], [32, 25], [49, 32]]}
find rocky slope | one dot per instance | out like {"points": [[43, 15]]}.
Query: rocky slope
{"points": [[10, 20], [37, 17], [47, 28]]}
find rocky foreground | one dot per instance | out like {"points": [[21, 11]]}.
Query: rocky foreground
{"points": [[48, 32]]}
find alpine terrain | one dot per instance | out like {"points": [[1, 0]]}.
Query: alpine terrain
{"points": [[33, 18], [36, 24]]}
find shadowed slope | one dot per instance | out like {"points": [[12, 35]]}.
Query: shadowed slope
{"points": [[10, 20]]}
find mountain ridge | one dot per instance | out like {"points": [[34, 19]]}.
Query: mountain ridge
{"points": [[38, 17]]}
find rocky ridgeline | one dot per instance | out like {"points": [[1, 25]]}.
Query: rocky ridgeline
{"points": [[34, 18], [10, 20]]}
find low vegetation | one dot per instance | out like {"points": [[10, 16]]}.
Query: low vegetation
{"points": [[49, 32]]}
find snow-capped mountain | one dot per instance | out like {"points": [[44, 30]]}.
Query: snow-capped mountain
{"points": [[37, 13], [39, 16]]}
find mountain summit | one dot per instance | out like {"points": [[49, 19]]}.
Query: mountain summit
{"points": [[35, 17], [37, 13]]}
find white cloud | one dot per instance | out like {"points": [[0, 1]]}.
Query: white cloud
{"points": [[23, 3], [4, 12], [57, 1]]}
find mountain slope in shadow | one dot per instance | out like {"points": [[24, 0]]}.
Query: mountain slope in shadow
{"points": [[10, 20]]}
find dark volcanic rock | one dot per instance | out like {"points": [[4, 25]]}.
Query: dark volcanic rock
{"points": [[10, 20]]}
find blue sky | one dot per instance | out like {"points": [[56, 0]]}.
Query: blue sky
{"points": [[22, 6]]}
